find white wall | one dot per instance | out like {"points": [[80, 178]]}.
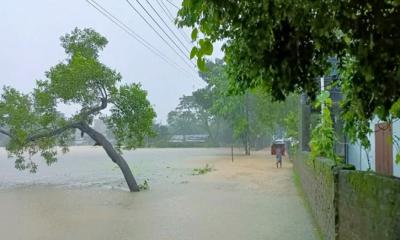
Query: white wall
{"points": [[358, 157], [396, 132]]}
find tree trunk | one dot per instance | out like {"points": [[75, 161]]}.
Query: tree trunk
{"points": [[113, 154], [246, 145], [247, 148]]}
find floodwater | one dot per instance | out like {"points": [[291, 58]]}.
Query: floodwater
{"points": [[83, 196]]}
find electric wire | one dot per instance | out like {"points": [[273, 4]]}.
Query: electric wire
{"points": [[163, 21], [185, 58], [134, 35], [165, 9], [173, 4]]}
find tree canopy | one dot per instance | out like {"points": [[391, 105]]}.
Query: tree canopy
{"points": [[250, 118], [35, 125], [284, 46]]}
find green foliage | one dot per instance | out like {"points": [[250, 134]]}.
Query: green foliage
{"points": [[356, 123], [186, 121], [194, 34], [34, 124], [323, 135], [161, 137], [85, 42], [131, 116], [202, 171], [291, 122], [246, 117], [206, 48], [144, 186], [396, 142], [283, 46]]}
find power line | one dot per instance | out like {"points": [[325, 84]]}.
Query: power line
{"points": [[162, 20], [173, 4], [171, 18], [151, 26], [134, 35], [166, 10], [159, 35]]}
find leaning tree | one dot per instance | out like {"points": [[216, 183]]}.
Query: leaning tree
{"points": [[36, 126]]}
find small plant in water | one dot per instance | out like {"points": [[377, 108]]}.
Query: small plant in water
{"points": [[145, 185], [201, 171]]}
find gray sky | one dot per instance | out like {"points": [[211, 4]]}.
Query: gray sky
{"points": [[29, 46]]}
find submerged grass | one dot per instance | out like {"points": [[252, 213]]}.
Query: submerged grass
{"points": [[201, 171], [144, 186]]}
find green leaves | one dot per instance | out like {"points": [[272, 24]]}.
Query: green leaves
{"points": [[283, 46], [193, 53], [323, 135], [201, 63], [195, 31], [81, 80], [395, 109], [323, 99], [36, 127], [131, 116], [25, 116], [206, 48], [85, 42]]}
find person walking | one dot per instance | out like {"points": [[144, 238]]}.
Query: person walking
{"points": [[278, 153]]}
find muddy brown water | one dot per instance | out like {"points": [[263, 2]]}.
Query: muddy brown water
{"points": [[83, 196]]}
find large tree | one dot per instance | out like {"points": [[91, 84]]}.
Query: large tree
{"points": [[284, 45], [250, 117], [34, 124]]}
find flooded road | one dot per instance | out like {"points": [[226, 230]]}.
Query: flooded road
{"points": [[83, 196]]}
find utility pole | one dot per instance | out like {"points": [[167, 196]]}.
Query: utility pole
{"points": [[232, 143], [248, 125]]}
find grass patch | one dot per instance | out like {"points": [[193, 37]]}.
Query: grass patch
{"points": [[202, 171], [306, 204], [144, 186]]}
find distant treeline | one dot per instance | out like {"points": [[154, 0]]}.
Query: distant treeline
{"points": [[249, 119]]}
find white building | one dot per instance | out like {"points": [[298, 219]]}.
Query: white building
{"points": [[384, 148]]}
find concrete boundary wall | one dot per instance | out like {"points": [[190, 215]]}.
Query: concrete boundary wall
{"points": [[317, 181], [368, 205], [349, 204]]}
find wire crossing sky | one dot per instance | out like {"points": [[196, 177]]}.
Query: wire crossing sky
{"points": [[184, 54], [133, 34], [31, 45], [171, 18], [170, 30]]}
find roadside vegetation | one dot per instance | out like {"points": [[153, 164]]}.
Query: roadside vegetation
{"points": [[203, 170], [283, 47]]}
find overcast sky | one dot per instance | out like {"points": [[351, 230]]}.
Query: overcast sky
{"points": [[29, 46]]}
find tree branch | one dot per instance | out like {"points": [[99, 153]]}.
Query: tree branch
{"points": [[53, 133], [103, 105], [50, 133]]}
